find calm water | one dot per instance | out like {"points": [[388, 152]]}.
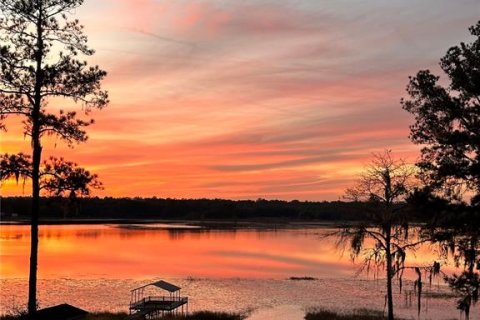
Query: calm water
{"points": [[96, 266]]}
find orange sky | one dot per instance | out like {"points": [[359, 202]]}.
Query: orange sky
{"points": [[250, 99]]}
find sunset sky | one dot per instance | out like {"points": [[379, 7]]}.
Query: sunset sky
{"points": [[252, 99]]}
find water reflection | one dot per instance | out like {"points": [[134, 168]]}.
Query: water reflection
{"points": [[219, 269], [137, 252]]}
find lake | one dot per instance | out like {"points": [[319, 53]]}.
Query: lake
{"points": [[246, 270]]}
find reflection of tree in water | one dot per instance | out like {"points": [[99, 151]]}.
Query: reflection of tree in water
{"points": [[88, 234]]}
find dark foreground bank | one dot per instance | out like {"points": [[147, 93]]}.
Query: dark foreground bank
{"points": [[355, 315], [200, 315], [319, 314]]}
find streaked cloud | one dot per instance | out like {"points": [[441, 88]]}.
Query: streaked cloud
{"points": [[250, 99]]}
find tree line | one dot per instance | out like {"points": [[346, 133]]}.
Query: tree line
{"points": [[190, 209]]}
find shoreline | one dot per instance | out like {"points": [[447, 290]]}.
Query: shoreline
{"points": [[315, 314], [211, 224]]}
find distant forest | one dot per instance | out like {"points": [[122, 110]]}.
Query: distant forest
{"points": [[188, 209]]}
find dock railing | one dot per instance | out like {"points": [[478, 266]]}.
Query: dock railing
{"points": [[153, 299]]}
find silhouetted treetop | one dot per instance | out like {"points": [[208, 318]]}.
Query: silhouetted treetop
{"points": [[447, 124], [447, 120], [39, 59], [57, 176]]}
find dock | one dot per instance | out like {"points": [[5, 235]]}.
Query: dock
{"points": [[144, 306]]}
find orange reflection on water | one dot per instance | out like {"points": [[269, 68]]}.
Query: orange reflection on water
{"points": [[138, 252], [92, 251]]}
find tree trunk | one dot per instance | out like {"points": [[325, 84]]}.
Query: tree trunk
{"points": [[36, 158], [388, 254], [471, 262], [32, 281]]}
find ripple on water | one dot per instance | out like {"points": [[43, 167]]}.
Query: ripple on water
{"points": [[266, 297]]}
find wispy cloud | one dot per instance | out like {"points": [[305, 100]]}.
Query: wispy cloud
{"points": [[253, 99]]}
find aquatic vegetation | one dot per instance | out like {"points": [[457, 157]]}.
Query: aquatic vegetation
{"points": [[209, 315], [322, 314], [303, 278]]}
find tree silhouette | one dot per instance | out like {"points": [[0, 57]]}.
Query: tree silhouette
{"points": [[39, 60], [447, 121], [383, 185], [447, 125], [57, 176]]}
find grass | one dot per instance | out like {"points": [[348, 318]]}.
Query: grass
{"points": [[106, 316], [440, 295], [209, 315], [90, 316], [8, 317], [200, 315], [316, 314], [322, 314]]}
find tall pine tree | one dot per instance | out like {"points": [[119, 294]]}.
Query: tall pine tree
{"points": [[40, 50]]}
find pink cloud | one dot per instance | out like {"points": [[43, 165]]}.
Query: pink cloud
{"points": [[250, 99]]}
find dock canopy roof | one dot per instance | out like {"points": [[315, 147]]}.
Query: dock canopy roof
{"points": [[165, 286], [160, 284]]}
